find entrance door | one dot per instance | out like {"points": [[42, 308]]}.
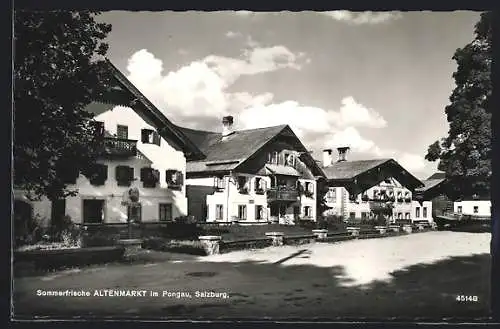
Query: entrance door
{"points": [[58, 212], [93, 211]]}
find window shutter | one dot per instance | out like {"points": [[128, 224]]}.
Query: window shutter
{"points": [[180, 178], [144, 174], [130, 173], [156, 138], [145, 135], [119, 173]]}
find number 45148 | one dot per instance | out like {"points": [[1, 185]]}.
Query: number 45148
{"points": [[466, 298]]}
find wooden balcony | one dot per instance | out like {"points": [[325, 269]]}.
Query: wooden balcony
{"points": [[119, 147], [282, 194]]}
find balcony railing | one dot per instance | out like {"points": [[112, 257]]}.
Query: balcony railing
{"points": [[112, 146], [282, 194]]}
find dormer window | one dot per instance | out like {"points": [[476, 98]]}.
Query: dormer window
{"points": [[149, 136]]}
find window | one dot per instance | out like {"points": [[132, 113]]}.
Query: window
{"points": [[476, 209], [259, 212], [375, 194], [387, 181], [219, 212], [459, 209], [124, 175], [352, 215], [122, 131], [219, 183], [174, 179], [331, 194], [134, 213], [417, 212], [99, 128], [364, 215], [424, 212], [242, 184], [93, 211], [407, 215], [308, 211], [242, 212], [400, 215], [149, 136], [149, 177], [165, 212], [273, 157], [260, 185], [290, 160], [98, 175], [309, 189]]}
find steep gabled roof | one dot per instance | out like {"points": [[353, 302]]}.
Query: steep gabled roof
{"points": [[430, 184], [165, 127], [229, 153], [346, 170], [238, 146], [349, 173], [235, 149], [438, 175]]}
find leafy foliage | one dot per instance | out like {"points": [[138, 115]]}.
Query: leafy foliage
{"points": [[321, 191], [465, 154], [57, 72]]}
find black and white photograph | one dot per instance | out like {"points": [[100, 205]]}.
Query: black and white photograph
{"points": [[245, 165]]}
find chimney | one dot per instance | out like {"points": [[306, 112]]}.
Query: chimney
{"points": [[327, 157], [227, 126], [343, 153]]}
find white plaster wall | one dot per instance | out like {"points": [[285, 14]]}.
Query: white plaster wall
{"points": [[426, 204], [230, 197], [360, 206], [484, 207], [167, 156]]}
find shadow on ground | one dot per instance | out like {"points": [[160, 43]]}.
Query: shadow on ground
{"points": [[266, 290]]}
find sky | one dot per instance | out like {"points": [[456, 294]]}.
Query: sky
{"points": [[377, 82]]}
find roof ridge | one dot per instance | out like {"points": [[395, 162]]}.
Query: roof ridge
{"points": [[239, 130]]}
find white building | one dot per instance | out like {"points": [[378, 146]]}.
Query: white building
{"points": [[357, 189], [140, 174], [478, 207], [251, 176]]}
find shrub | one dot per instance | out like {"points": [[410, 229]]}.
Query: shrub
{"points": [[29, 230]]}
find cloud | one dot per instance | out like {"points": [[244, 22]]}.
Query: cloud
{"points": [[198, 94], [412, 162], [254, 61], [360, 18], [231, 34]]}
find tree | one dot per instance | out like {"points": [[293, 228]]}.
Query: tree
{"points": [[58, 69], [465, 154]]}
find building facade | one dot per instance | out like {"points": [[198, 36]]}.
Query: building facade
{"points": [[251, 176], [359, 190], [140, 173]]}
